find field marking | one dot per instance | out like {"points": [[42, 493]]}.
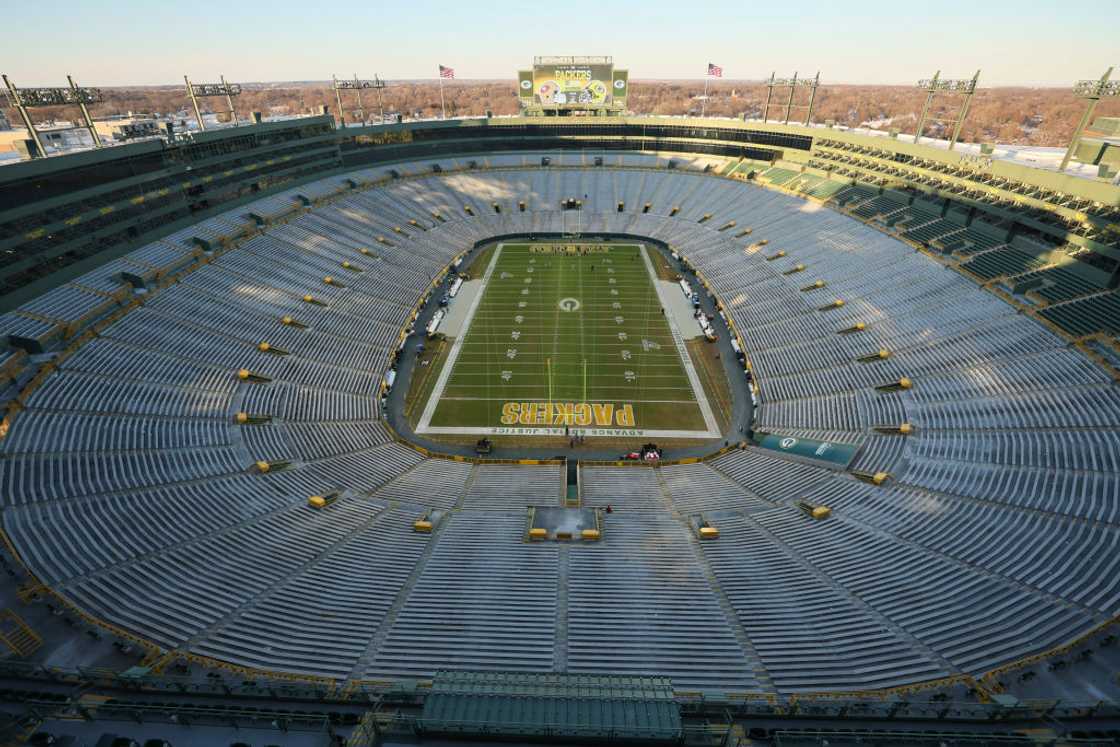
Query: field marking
{"points": [[501, 304], [686, 359], [496, 336], [533, 367], [542, 399], [449, 364], [622, 395]]}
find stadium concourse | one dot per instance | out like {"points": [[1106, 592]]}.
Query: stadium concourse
{"points": [[988, 533]]}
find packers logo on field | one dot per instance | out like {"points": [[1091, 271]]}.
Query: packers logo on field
{"points": [[583, 414]]}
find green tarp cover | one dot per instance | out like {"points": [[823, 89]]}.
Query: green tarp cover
{"points": [[831, 452]]}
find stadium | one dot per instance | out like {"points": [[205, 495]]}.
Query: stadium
{"points": [[460, 428]]}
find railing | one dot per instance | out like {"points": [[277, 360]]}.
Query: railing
{"points": [[881, 708], [869, 706]]}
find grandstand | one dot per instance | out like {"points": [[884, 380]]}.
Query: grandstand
{"points": [[183, 377]]}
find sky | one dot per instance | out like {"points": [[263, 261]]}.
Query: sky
{"points": [[140, 42]]}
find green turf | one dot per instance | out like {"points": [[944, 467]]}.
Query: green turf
{"points": [[616, 348]]}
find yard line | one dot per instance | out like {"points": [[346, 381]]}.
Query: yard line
{"points": [[582, 339], [559, 276], [545, 399], [625, 389], [535, 365]]}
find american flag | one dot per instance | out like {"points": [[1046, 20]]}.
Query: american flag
{"points": [[446, 72], [715, 70]]}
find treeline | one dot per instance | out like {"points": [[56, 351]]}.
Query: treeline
{"points": [[1020, 116]]}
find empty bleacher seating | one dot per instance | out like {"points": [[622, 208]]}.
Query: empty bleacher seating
{"points": [[129, 487]]}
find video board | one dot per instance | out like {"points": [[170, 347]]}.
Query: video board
{"points": [[571, 83], [584, 86]]}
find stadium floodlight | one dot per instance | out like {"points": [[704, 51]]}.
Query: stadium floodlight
{"points": [[357, 86], [792, 84], [60, 96], [73, 95], [216, 89], [210, 90], [937, 84], [1092, 91], [965, 87], [1097, 89]]}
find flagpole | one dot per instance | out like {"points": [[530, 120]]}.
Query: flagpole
{"points": [[704, 103], [441, 105]]}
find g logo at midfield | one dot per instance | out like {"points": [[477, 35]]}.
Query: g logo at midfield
{"points": [[526, 84], [620, 84], [569, 304], [788, 443]]}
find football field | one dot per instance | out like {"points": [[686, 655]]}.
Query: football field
{"points": [[569, 337]]}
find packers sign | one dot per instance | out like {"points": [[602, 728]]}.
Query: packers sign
{"points": [[581, 414]]}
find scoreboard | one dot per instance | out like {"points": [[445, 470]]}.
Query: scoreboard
{"points": [[573, 84]]}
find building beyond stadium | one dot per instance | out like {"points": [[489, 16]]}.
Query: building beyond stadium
{"points": [[953, 318]]}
